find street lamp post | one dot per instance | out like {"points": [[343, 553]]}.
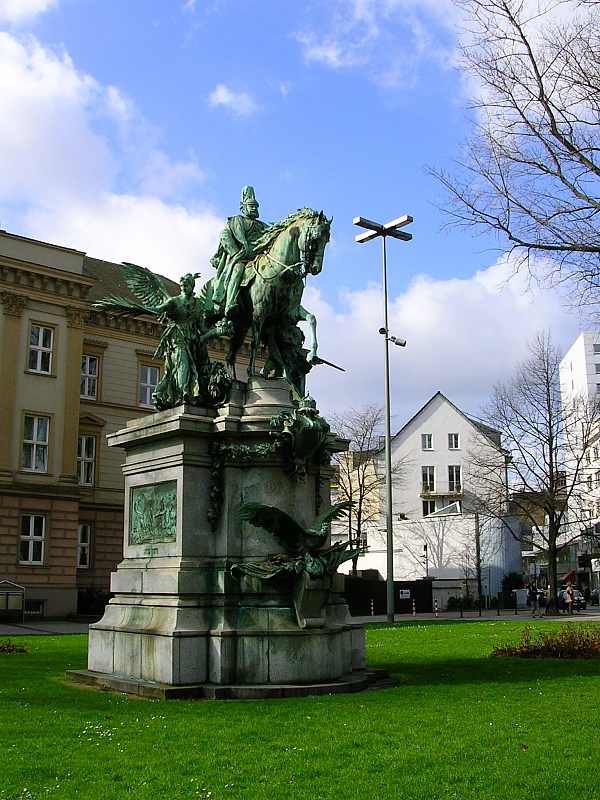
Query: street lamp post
{"points": [[426, 551], [373, 230]]}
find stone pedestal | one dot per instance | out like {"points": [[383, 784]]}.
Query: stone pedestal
{"points": [[178, 617]]}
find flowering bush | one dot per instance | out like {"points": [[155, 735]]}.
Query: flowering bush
{"points": [[10, 647], [569, 641]]}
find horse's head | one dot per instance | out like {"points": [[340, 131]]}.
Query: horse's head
{"points": [[314, 235]]}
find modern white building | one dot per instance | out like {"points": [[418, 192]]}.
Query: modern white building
{"points": [[580, 368], [436, 495], [580, 381]]}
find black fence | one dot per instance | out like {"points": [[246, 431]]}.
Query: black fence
{"points": [[366, 597]]}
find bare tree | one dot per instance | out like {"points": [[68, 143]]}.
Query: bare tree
{"points": [[532, 169], [359, 477], [547, 442]]}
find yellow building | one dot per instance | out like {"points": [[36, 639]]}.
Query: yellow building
{"points": [[69, 375]]}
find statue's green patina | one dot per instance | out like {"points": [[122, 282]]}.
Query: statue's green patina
{"points": [[257, 290], [265, 301], [305, 432], [304, 559], [189, 375], [236, 249], [153, 513]]}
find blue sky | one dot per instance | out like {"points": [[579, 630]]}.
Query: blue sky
{"points": [[133, 126]]}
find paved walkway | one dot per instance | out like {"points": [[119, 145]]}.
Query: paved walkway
{"points": [[59, 627], [590, 614], [42, 628]]}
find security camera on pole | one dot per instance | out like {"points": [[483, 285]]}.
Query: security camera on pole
{"points": [[375, 229]]}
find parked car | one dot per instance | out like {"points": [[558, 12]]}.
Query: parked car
{"points": [[579, 603]]}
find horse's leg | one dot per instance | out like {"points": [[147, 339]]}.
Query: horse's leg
{"points": [[235, 343], [255, 330], [240, 329], [274, 356], [307, 316]]}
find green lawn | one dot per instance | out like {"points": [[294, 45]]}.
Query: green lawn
{"points": [[460, 725]]}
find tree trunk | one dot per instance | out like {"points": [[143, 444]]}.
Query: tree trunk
{"points": [[552, 575]]}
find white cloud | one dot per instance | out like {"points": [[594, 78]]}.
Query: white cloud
{"points": [[389, 39], [331, 52], [17, 12], [463, 335], [48, 146], [81, 167], [189, 5], [166, 237], [241, 104], [385, 37]]}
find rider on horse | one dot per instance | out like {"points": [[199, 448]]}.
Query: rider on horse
{"points": [[236, 249]]}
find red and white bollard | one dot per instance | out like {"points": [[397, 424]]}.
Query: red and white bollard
{"points": [[414, 608], [435, 607], [372, 607]]}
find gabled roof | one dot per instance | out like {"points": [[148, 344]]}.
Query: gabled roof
{"points": [[490, 433]]}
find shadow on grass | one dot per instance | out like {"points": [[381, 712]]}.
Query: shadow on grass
{"points": [[489, 669]]}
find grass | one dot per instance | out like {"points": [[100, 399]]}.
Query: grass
{"points": [[460, 725]]}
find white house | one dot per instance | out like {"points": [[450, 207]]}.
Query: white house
{"points": [[436, 495]]}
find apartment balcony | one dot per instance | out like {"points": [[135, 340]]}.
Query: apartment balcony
{"points": [[454, 491]]}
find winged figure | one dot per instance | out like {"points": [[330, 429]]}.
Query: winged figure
{"points": [[189, 376], [303, 558]]}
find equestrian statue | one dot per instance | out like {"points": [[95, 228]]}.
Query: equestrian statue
{"points": [[260, 273]]}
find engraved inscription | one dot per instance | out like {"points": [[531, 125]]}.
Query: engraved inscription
{"points": [[153, 513]]}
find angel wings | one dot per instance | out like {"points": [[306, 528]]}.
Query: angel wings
{"points": [[289, 533], [147, 287]]}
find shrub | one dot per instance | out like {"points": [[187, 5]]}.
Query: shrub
{"points": [[10, 647], [569, 641], [467, 602]]}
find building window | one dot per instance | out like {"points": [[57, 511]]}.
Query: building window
{"points": [[597, 349], [596, 452], [40, 349], [453, 441], [428, 507], [588, 457], [84, 535], [149, 378], [597, 478], [589, 482], [88, 383], [454, 484], [428, 476], [86, 460], [31, 546], [598, 388], [426, 441], [35, 443]]}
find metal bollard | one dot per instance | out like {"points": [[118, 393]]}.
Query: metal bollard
{"points": [[498, 607], [435, 607], [516, 606], [372, 607], [461, 610], [414, 608]]}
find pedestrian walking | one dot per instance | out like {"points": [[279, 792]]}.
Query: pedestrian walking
{"points": [[548, 599], [533, 600], [569, 598]]}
